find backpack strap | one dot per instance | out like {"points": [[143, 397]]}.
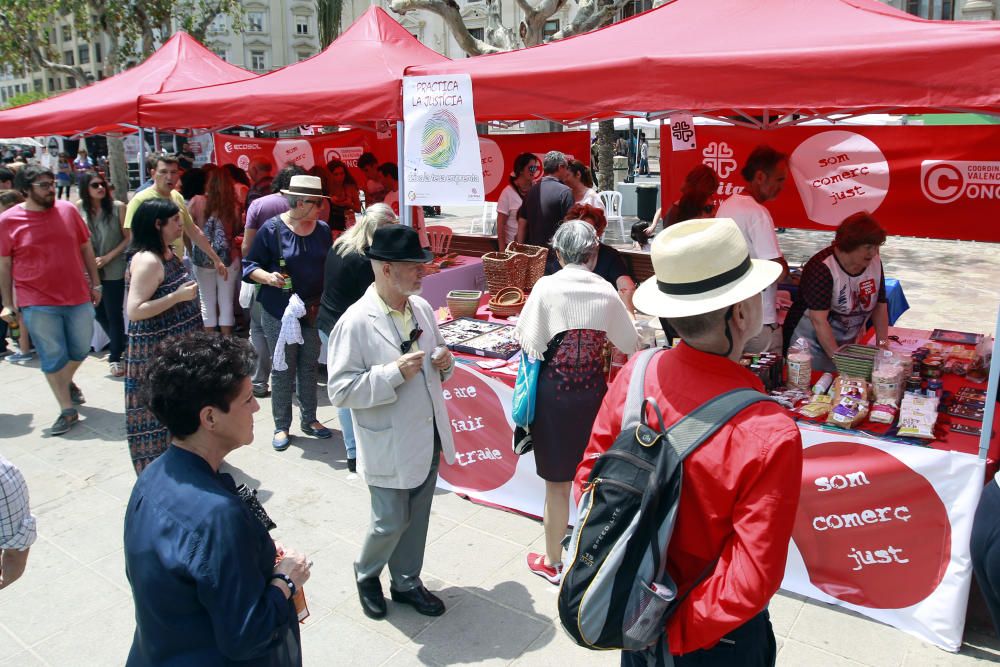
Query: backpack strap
{"points": [[693, 429], [632, 414]]}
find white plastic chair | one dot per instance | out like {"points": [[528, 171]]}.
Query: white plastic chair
{"points": [[488, 222], [612, 200]]}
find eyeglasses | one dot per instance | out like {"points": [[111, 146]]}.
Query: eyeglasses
{"points": [[407, 344], [94, 186], [44, 185]]}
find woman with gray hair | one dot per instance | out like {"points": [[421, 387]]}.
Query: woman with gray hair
{"points": [[346, 277], [567, 322]]}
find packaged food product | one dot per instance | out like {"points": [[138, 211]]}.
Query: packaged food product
{"points": [[850, 402], [883, 413], [799, 364], [819, 405], [917, 416]]}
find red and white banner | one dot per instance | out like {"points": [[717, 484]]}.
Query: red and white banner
{"points": [[883, 529], [935, 181], [497, 151], [486, 468]]}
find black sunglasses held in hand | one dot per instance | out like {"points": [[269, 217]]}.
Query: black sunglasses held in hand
{"points": [[407, 344]]}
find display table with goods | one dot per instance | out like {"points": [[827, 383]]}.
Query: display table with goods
{"points": [[892, 470], [451, 272]]}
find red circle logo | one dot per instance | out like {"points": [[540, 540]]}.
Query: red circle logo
{"points": [[872, 532], [484, 459]]}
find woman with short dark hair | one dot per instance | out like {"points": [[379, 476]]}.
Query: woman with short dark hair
{"points": [[842, 288], [162, 303], [201, 565]]}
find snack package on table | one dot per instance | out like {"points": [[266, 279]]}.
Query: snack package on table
{"points": [[818, 406], [889, 377], [850, 402], [917, 416]]}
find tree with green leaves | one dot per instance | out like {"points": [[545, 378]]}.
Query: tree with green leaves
{"points": [[129, 30], [329, 14]]}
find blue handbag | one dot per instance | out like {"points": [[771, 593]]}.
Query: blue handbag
{"points": [[523, 407]]}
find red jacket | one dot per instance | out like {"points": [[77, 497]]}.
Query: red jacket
{"points": [[738, 499]]}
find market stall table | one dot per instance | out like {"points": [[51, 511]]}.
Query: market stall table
{"points": [[465, 274]]}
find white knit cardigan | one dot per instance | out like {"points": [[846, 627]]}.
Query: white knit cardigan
{"points": [[573, 298]]}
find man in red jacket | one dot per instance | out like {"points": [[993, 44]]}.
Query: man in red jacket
{"points": [[741, 487]]}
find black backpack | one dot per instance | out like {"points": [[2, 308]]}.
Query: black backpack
{"points": [[616, 592]]}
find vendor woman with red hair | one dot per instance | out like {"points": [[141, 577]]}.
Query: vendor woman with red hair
{"points": [[610, 264], [842, 289]]}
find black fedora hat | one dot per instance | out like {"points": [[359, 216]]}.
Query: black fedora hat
{"points": [[398, 243]]}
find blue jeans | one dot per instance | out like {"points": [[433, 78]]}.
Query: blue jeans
{"points": [[60, 333], [344, 415]]}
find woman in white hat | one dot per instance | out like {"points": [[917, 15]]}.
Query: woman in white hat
{"points": [[287, 256]]}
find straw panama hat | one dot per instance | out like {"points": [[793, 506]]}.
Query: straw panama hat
{"points": [[700, 266], [308, 186]]}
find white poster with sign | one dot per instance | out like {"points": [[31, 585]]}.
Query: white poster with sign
{"points": [[486, 469], [441, 163], [883, 529], [682, 132], [839, 173]]}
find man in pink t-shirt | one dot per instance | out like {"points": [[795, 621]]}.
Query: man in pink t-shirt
{"points": [[45, 250]]}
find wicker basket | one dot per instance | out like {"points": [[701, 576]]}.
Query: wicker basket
{"points": [[504, 269], [463, 303], [536, 261], [506, 310]]}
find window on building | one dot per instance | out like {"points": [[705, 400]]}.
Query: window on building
{"points": [[68, 58], [255, 21], [222, 53], [478, 33], [551, 28], [931, 9], [304, 55], [83, 51], [70, 83], [37, 83], [301, 25], [97, 52], [258, 61], [634, 7], [67, 33], [219, 24]]}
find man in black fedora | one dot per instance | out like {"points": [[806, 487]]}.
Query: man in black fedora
{"points": [[387, 361]]}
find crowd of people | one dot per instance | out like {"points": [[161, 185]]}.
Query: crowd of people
{"points": [[313, 267]]}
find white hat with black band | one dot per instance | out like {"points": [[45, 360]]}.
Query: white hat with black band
{"points": [[701, 266]]}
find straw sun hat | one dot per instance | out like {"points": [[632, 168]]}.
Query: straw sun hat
{"points": [[307, 186], [701, 266]]}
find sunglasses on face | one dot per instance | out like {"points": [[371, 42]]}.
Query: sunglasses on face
{"points": [[407, 344], [95, 186]]}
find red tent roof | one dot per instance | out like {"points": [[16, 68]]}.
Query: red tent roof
{"points": [[110, 104], [720, 56], [357, 78]]}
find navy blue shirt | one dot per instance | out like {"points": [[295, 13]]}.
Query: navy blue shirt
{"points": [[304, 256], [199, 564]]}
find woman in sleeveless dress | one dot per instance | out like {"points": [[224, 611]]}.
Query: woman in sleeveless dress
{"points": [[162, 303]]}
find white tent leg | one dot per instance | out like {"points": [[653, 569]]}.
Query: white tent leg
{"points": [[142, 156], [405, 216]]}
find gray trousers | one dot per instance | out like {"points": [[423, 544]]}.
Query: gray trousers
{"points": [[262, 367], [300, 376], [397, 534]]}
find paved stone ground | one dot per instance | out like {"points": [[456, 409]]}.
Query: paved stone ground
{"points": [[73, 607]]}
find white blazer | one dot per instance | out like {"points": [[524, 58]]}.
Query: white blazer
{"points": [[393, 418]]}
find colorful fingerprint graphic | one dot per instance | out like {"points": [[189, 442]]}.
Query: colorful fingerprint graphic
{"points": [[440, 139]]}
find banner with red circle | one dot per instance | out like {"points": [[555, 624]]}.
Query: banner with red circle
{"points": [[883, 529]]}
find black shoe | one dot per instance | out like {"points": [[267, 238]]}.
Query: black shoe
{"points": [[260, 392], [372, 600], [421, 599], [352, 465]]}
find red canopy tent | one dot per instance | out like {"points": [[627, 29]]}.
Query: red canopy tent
{"points": [[110, 105], [738, 58], [357, 78]]}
